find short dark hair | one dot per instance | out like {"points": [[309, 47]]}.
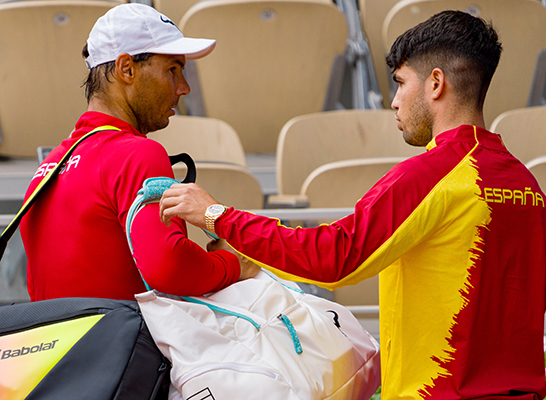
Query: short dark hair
{"points": [[94, 81], [465, 47]]}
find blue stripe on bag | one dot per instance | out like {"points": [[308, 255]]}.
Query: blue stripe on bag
{"points": [[223, 310]]}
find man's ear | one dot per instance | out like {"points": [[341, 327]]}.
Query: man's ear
{"points": [[437, 83], [125, 67]]}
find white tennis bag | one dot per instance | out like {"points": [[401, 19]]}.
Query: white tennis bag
{"points": [[263, 339]]}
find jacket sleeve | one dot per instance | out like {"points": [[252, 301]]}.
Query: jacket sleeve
{"points": [[171, 263], [354, 248]]}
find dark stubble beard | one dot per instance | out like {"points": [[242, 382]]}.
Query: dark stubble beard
{"points": [[417, 129]]}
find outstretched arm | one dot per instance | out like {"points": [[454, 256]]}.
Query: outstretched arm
{"points": [[359, 246], [264, 239]]}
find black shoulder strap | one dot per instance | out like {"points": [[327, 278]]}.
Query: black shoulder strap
{"points": [[12, 227]]}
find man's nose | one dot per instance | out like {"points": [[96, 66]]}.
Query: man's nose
{"points": [[183, 88], [394, 103]]}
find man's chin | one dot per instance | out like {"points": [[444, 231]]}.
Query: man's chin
{"points": [[416, 144], [159, 125], [415, 141]]}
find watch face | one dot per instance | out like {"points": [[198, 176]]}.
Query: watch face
{"points": [[216, 209]]}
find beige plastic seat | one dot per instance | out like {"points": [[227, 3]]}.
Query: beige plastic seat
{"points": [[230, 184], [174, 9], [42, 70], [523, 132], [310, 141], [373, 13], [273, 61], [343, 183], [205, 139], [521, 25], [538, 167], [12, 1]]}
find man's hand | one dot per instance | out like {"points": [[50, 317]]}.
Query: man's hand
{"points": [[185, 200], [248, 268]]}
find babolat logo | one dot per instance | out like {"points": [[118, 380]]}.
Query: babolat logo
{"points": [[23, 351]]}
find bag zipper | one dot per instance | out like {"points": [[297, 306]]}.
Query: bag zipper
{"points": [[254, 369]]}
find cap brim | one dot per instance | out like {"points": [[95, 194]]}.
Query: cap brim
{"points": [[190, 47]]}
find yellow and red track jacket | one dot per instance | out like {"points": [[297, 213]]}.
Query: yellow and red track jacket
{"points": [[458, 237]]}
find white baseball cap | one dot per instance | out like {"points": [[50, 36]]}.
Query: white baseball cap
{"points": [[136, 28]]}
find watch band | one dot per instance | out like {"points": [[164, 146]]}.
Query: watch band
{"points": [[212, 214]]}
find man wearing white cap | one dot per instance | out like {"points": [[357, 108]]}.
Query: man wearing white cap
{"points": [[74, 235]]}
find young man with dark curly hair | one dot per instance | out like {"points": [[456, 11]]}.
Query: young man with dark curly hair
{"points": [[457, 234]]}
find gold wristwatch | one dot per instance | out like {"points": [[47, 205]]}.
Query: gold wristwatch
{"points": [[211, 215]]}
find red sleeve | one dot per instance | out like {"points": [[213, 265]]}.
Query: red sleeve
{"points": [[329, 253], [171, 263], [311, 253]]}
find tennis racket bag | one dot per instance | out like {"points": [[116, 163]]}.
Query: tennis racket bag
{"points": [[79, 348]]}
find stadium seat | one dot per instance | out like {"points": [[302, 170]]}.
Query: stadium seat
{"points": [[273, 61], [522, 131], [521, 25], [13, 1], [174, 9], [343, 183], [205, 139], [538, 167], [229, 184], [310, 141], [42, 71]]}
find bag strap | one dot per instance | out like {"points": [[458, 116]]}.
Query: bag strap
{"points": [[12, 227]]}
